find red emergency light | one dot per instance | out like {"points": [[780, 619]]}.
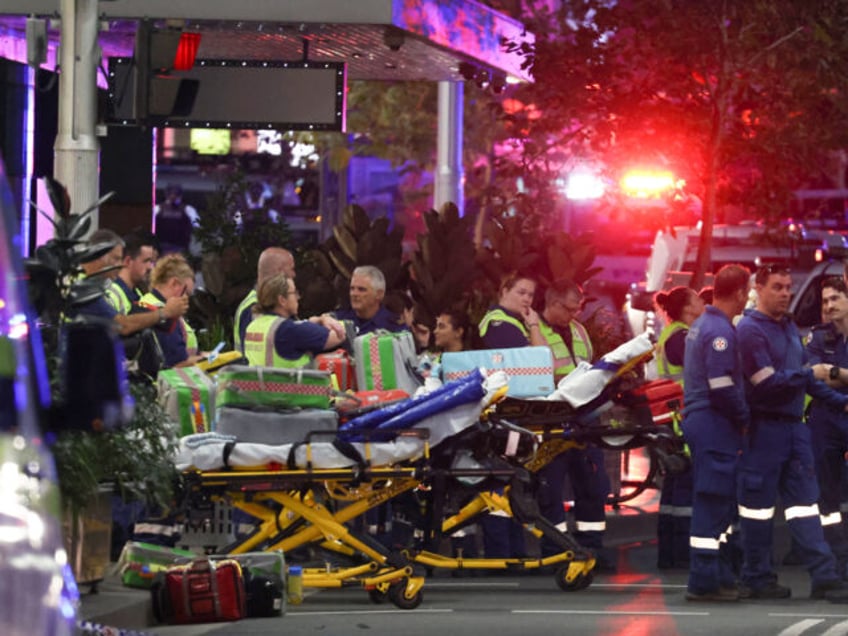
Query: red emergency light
{"points": [[186, 51]]}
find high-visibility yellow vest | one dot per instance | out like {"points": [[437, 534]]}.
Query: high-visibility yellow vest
{"points": [[500, 314], [664, 368], [581, 346], [259, 344], [251, 299], [118, 299]]}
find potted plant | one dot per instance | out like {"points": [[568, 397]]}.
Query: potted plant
{"points": [[130, 454]]}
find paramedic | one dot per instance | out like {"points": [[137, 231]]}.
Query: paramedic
{"points": [[570, 344], [276, 338], [272, 261], [829, 426], [106, 267], [367, 313], [779, 457], [511, 323], [681, 307], [172, 277], [715, 416]]}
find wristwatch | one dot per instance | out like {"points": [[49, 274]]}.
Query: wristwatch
{"points": [[162, 318], [834, 372]]}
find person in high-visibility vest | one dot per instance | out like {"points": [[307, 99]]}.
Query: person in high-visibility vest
{"points": [[172, 277], [681, 306], [512, 322], [272, 261], [137, 262], [584, 467], [276, 338]]}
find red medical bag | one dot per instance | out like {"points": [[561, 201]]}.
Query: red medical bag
{"points": [[204, 591], [338, 364], [658, 401]]}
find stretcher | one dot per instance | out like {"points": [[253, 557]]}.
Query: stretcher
{"points": [[302, 494], [307, 494]]}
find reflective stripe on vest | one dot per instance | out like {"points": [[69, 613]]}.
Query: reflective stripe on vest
{"points": [[664, 368], [259, 346], [246, 303], [564, 363], [500, 314]]}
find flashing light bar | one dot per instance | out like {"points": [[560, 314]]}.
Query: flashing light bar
{"points": [[646, 184]]}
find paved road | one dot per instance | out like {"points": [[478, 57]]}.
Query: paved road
{"points": [[637, 600]]}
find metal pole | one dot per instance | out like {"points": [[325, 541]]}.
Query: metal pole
{"points": [[76, 148], [450, 178]]}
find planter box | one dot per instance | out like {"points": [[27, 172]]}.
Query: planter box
{"points": [[88, 539]]}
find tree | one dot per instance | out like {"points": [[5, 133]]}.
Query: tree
{"points": [[732, 96]]}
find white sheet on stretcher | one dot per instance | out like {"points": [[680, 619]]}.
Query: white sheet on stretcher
{"points": [[205, 451], [587, 381]]}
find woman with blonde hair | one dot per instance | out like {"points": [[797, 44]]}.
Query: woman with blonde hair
{"points": [[172, 277], [276, 338]]}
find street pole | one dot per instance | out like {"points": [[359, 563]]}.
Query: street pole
{"points": [[76, 148], [450, 178]]}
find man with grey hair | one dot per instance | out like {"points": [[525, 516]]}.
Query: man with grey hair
{"points": [[367, 313]]}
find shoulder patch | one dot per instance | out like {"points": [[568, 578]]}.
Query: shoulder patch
{"points": [[719, 343]]}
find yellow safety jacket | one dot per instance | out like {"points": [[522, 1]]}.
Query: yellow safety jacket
{"points": [[664, 368], [117, 297], [259, 344], [500, 314], [581, 347], [251, 299]]}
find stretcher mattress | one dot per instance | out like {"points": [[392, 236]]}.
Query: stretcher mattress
{"points": [[212, 451]]}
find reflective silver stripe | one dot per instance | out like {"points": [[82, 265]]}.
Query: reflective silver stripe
{"points": [[759, 514], [801, 512], [843, 507], [682, 511], [762, 374], [591, 526], [562, 527], [704, 543], [832, 519], [499, 513], [721, 382], [666, 509], [459, 534], [155, 528]]}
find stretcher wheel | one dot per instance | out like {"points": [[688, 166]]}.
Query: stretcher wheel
{"points": [[580, 582], [377, 596], [632, 488], [397, 595]]}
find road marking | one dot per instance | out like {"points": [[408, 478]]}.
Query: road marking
{"points": [[607, 612], [840, 629], [385, 611], [805, 615], [800, 627]]}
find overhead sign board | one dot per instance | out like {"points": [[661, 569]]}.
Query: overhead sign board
{"points": [[240, 94]]}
